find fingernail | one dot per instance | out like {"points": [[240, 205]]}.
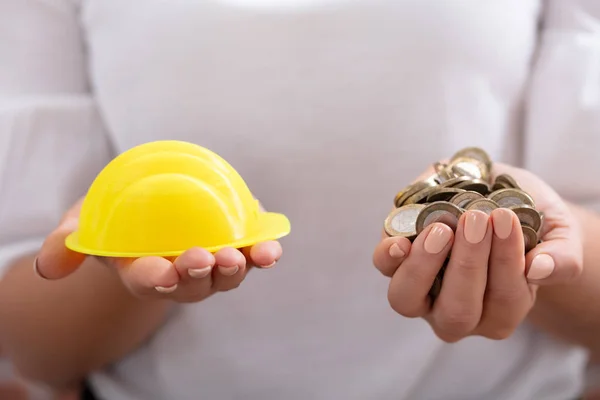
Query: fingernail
{"points": [[69, 224], [503, 223], [437, 239], [542, 267], [199, 273], [476, 223], [396, 252], [268, 266], [166, 290], [229, 271], [36, 269]]}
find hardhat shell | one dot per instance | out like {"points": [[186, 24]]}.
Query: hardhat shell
{"points": [[162, 198]]}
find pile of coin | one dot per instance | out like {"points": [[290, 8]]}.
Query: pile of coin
{"points": [[464, 183]]}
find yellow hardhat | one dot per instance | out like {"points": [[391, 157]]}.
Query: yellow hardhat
{"points": [[162, 198]]}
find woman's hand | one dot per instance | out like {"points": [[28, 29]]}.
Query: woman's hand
{"points": [[489, 285], [191, 277]]}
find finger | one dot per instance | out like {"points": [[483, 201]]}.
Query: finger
{"points": [[150, 276], [458, 308], [55, 260], [410, 284], [389, 254], [194, 265], [508, 296], [195, 273], [264, 254], [555, 261], [230, 269]]}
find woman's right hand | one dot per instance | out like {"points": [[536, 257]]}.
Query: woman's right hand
{"points": [[193, 276]]}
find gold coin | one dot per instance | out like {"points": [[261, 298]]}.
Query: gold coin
{"points": [[410, 190], [442, 172], [528, 216], [402, 221], [464, 198], [464, 166], [511, 197], [485, 205], [499, 186], [443, 194], [421, 196], [507, 181], [474, 185], [440, 211], [476, 153], [455, 181], [530, 237]]}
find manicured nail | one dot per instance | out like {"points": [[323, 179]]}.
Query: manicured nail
{"points": [[503, 223], [437, 239], [396, 252], [476, 224], [542, 267], [199, 273], [166, 290], [229, 271]]}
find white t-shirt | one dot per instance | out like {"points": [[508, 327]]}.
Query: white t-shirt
{"points": [[326, 108]]}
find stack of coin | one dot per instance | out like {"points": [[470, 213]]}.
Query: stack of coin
{"points": [[464, 183]]}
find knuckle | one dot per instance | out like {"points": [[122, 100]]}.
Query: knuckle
{"points": [[456, 321], [467, 264], [506, 295]]}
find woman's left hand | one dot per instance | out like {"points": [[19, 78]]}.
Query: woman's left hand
{"points": [[489, 285]]}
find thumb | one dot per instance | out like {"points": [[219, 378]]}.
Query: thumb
{"points": [[54, 260], [559, 259]]}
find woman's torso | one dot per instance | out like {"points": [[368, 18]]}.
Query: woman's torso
{"points": [[326, 108]]}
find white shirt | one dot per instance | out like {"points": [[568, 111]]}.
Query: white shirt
{"points": [[326, 108]]}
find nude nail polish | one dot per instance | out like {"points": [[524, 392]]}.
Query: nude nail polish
{"points": [[541, 267], [476, 224], [502, 221], [437, 239], [395, 251]]}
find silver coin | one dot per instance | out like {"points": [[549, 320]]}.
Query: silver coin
{"points": [[507, 198], [476, 153], [440, 211], [528, 216], [464, 166], [411, 190], [462, 199], [484, 205], [402, 221]]}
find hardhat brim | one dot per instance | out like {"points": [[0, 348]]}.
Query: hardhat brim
{"points": [[270, 226]]}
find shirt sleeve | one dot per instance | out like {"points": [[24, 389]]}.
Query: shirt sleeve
{"points": [[52, 139], [562, 126]]}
